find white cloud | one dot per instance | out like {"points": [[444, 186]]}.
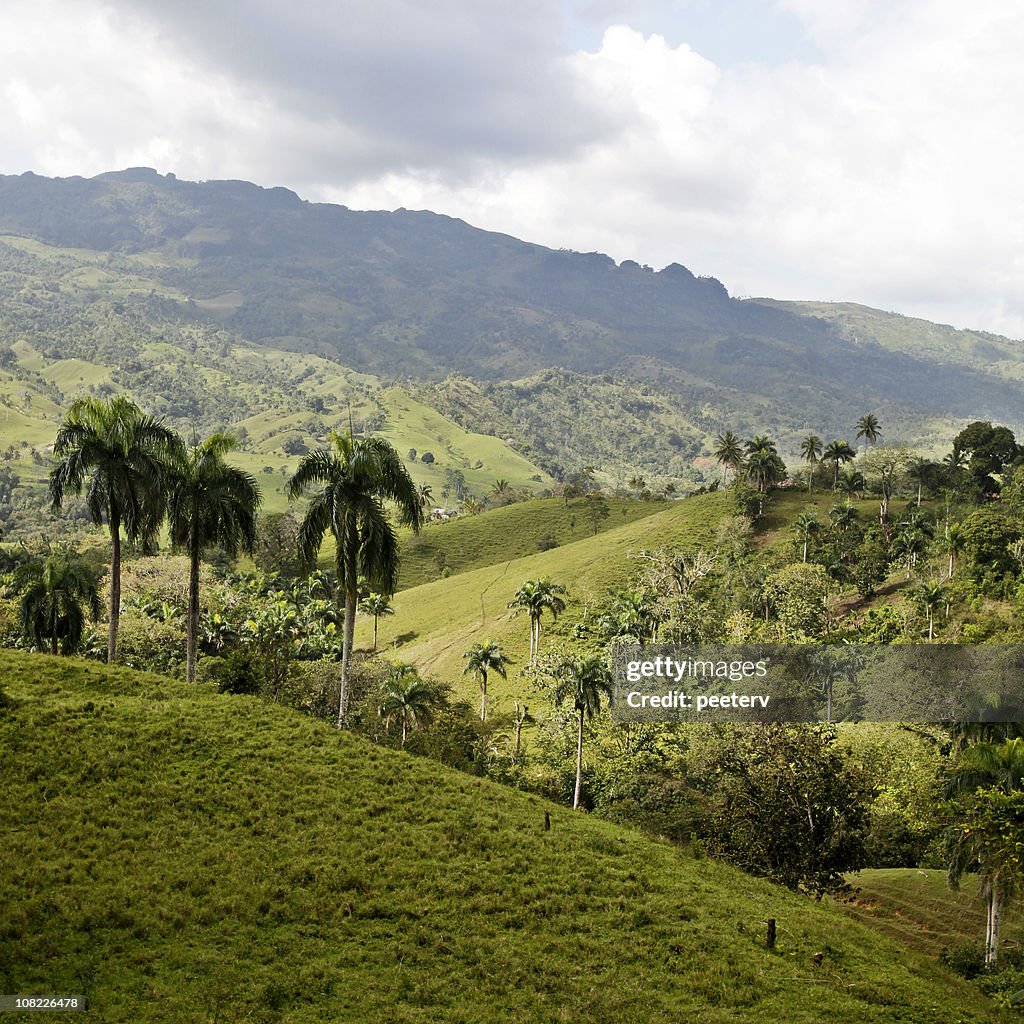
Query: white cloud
{"points": [[886, 172]]}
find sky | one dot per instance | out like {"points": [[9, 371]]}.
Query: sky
{"points": [[839, 150]]}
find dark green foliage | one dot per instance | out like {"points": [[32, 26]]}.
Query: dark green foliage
{"points": [[986, 535], [991, 449], [787, 804], [966, 959], [237, 672], [58, 593]]}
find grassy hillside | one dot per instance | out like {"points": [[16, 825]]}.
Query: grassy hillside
{"points": [[919, 910], [514, 531], [436, 622], [179, 856]]}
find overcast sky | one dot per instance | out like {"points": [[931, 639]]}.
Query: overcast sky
{"points": [[862, 150]]}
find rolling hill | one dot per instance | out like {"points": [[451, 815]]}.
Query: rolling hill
{"points": [[175, 855]]}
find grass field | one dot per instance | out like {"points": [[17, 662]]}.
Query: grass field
{"points": [[180, 856], [435, 623], [919, 910], [501, 534]]}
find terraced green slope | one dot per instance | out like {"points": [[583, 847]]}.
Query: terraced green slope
{"points": [[179, 856]]}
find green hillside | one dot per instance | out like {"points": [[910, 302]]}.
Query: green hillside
{"points": [[435, 623], [919, 910], [514, 531], [175, 291], [179, 856]]}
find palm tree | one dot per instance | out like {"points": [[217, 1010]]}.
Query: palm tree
{"points": [[989, 777], [57, 594], [729, 453], [125, 455], [501, 491], [376, 605], [868, 428], [582, 681], [954, 545], [837, 452], [924, 472], [426, 495], [807, 525], [484, 658], [929, 596], [763, 462], [538, 596], [356, 478], [208, 503], [407, 698], [851, 482], [810, 450]]}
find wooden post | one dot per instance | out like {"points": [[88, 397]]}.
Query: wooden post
{"points": [[771, 933], [547, 822]]}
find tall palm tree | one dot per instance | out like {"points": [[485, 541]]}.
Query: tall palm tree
{"points": [[355, 478], [729, 453], [868, 428], [763, 463], [501, 491], [406, 698], [208, 503], [807, 525], [536, 597], [57, 594], [989, 777], [125, 455], [376, 605], [810, 451], [484, 658], [929, 595], [582, 681], [837, 452], [924, 472]]}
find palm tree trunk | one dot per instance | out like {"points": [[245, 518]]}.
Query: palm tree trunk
{"points": [[348, 637], [115, 585], [579, 766], [483, 696], [992, 926], [192, 621], [519, 734], [374, 632]]}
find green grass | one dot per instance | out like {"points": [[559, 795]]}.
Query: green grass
{"points": [[411, 424], [435, 623], [501, 534], [73, 376], [918, 909], [180, 856]]}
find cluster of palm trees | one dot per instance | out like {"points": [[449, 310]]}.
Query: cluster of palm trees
{"points": [[137, 474], [536, 597], [758, 459]]}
